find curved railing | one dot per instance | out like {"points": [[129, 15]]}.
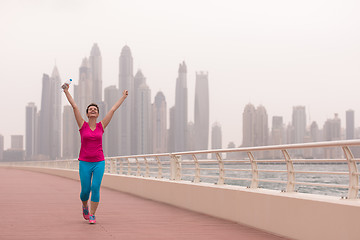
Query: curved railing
{"points": [[272, 167]]}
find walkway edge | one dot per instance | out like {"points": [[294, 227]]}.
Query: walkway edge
{"points": [[295, 215]]}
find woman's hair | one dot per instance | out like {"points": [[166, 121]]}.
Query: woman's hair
{"points": [[92, 104]]}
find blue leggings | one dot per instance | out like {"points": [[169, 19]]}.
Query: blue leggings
{"points": [[88, 171]]}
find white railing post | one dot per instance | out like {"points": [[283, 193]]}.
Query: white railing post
{"points": [[129, 166], [175, 168], [147, 170], [159, 167], [290, 172], [121, 167], [353, 177], [197, 169], [221, 179], [138, 171], [254, 171]]}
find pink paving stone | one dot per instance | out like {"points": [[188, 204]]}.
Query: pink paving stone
{"points": [[40, 206]]}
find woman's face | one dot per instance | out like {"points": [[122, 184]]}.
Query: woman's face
{"points": [[92, 112]]}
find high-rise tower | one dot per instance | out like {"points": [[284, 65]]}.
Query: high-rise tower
{"points": [[249, 117], [139, 80], [49, 144], [111, 136], [299, 124], [56, 115], [143, 109], [30, 137], [127, 111], [201, 114], [181, 110], [350, 124], [159, 124], [216, 138], [95, 62]]}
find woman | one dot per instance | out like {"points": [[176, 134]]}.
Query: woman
{"points": [[91, 157]]}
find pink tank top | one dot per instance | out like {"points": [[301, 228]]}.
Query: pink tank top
{"points": [[91, 143]]}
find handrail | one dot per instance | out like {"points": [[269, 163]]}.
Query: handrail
{"points": [[245, 169]]}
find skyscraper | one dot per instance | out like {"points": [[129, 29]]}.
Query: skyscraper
{"points": [[249, 118], [95, 61], [127, 111], [261, 126], [171, 130], [299, 124], [56, 115], [1, 147], [181, 110], [332, 132], [45, 118], [159, 124], [70, 130], [201, 111], [17, 142], [350, 124], [83, 92], [216, 138], [30, 135], [111, 136], [143, 109], [139, 80], [49, 130], [277, 130]]}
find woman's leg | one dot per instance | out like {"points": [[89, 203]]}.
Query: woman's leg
{"points": [[85, 173], [98, 173]]}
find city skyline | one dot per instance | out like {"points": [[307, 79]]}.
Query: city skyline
{"points": [[279, 54]]}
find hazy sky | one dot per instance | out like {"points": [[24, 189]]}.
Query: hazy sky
{"points": [[278, 53]]}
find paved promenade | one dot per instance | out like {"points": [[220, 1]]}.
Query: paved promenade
{"points": [[40, 206]]}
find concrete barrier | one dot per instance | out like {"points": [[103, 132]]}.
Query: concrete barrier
{"points": [[292, 215]]}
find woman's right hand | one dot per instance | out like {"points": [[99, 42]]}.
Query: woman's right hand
{"points": [[125, 93], [65, 86]]}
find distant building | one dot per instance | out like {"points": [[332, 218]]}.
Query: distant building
{"points": [[127, 111], [201, 112], [216, 138], [261, 127], [277, 134], [49, 130], [111, 138], [1, 147], [17, 142], [171, 130], [95, 62], [143, 108], [255, 126], [232, 155], [16, 152], [350, 124], [159, 124], [31, 130], [332, 132], [249, 118], [70, 130], [181, 110], [299, 124]]}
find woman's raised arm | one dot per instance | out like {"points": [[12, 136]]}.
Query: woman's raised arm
{"points": [[80, 121], [111, 112]]}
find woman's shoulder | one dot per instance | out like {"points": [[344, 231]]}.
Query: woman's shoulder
{"points": [[85, 124], [99, 124]]}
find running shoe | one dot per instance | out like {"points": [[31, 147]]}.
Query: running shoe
{"points": [[92, 219], [86, 213]]}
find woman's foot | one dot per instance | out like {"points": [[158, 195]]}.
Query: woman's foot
{"points": [[92, 219], [86, 213]]}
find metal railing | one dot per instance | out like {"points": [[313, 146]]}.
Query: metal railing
{"points": [[272, 167]]}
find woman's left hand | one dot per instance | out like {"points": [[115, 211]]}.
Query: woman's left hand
{"points": [[125, 93]]}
